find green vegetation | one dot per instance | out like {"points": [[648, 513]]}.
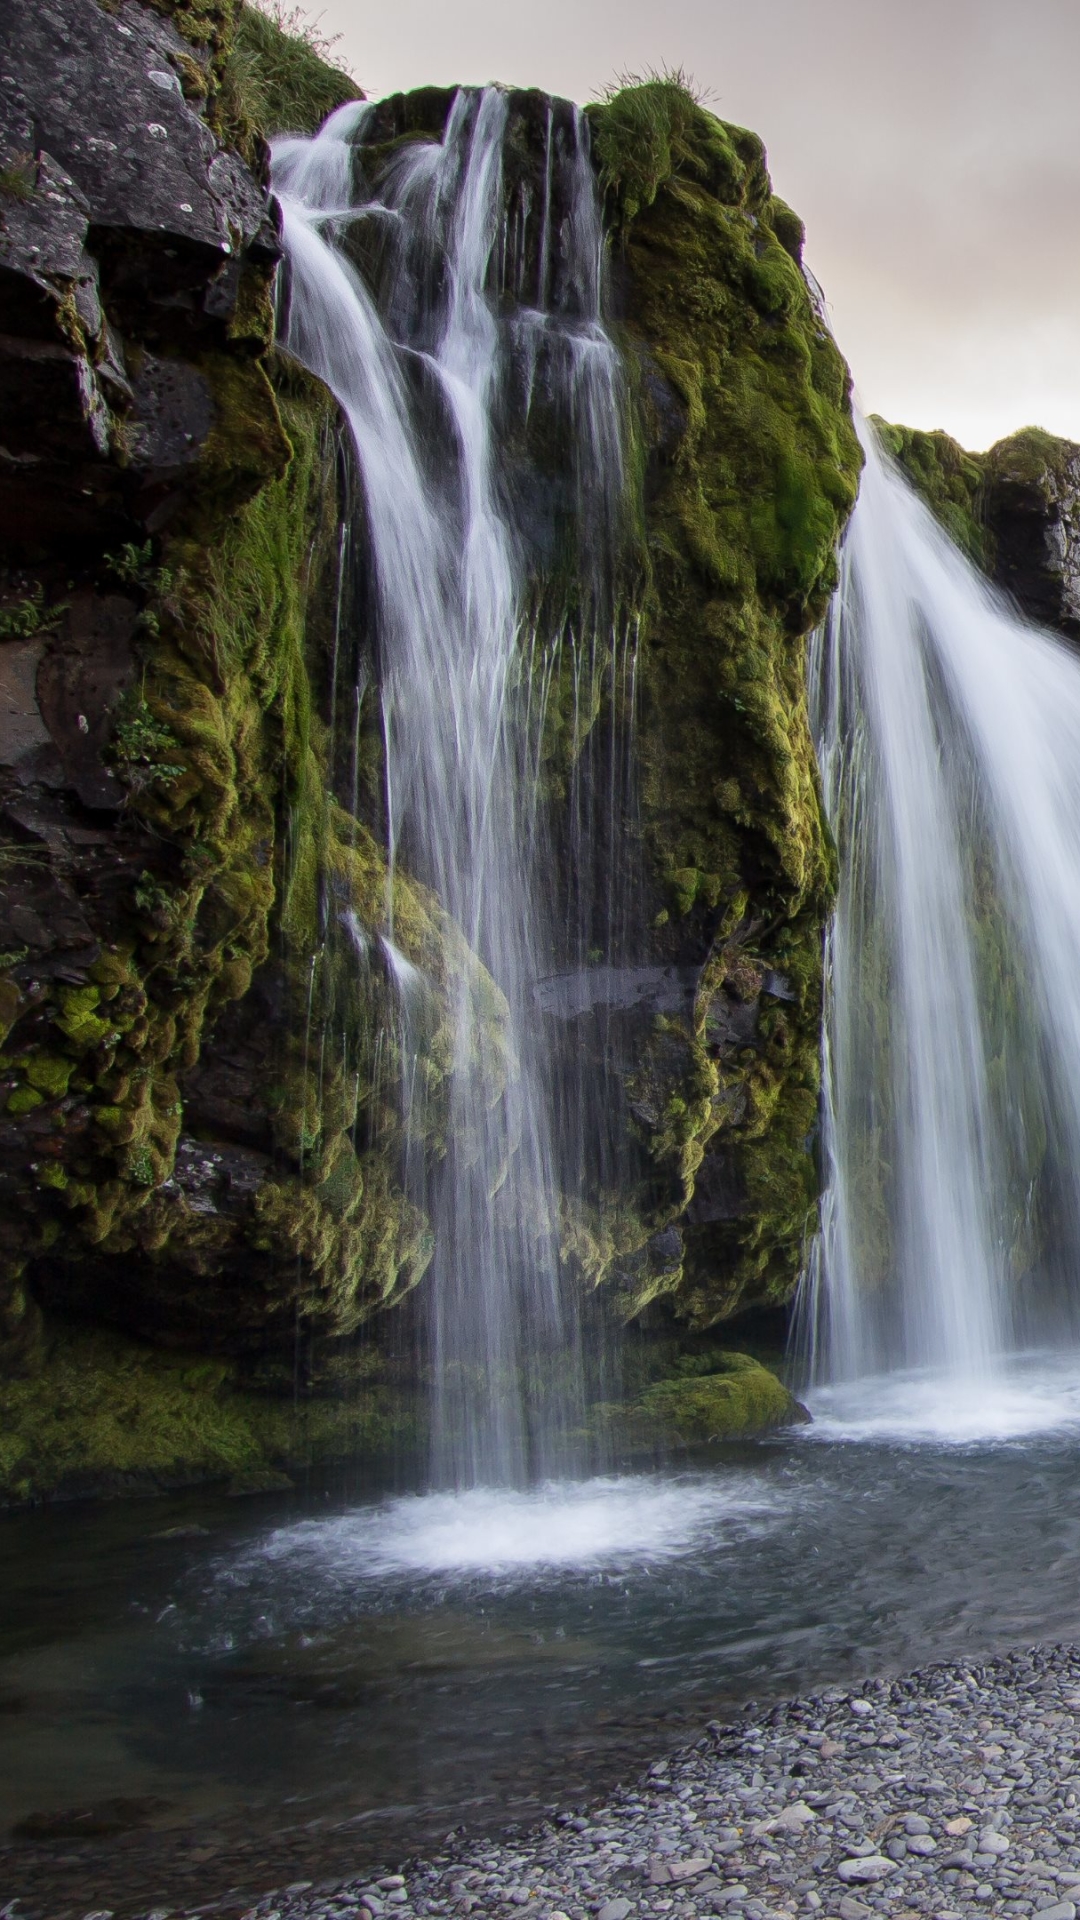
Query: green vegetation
{"points": [[280, 76], [17, 177], [753, 467], [705, 1396], [257, 69], [645, 136], [21, 619], [734, 1395], [951, 482], [103, 1407]]}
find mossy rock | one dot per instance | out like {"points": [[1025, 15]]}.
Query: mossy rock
{"points": [[951, 481], [103, 1413], [736, 1397], [747, 467]]}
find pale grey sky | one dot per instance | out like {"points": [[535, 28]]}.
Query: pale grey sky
{"points": [[931, 146]]}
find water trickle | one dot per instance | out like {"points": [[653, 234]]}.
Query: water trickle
{"points": [[477, 299], [948, 733]]}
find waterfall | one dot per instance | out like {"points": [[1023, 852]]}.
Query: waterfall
{"points": [[948, 735], [444, 303]]}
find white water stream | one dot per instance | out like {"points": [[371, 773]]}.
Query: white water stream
{"points": [[949, 740], [471, 303]]}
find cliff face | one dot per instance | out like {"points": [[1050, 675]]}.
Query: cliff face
{"points": [[1014, 510], [750, 469], [183, 1158]]}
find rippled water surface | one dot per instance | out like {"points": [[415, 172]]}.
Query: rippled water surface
{"points": [[399, 1655]]}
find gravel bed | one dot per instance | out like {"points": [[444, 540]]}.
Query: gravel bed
{"points": [[949, 1792]]}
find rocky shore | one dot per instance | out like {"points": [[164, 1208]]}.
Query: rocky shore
{"points": [[948, 1792]]}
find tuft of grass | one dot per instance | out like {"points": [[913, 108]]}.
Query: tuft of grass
{"points": [[645, 135], [280, 74]]}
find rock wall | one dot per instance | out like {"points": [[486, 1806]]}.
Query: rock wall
{"points": [[1014, 510], [750, 468], [187, 850]]}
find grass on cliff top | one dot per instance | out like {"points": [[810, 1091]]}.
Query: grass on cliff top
{"points": [[645, 135], [281, 70]]}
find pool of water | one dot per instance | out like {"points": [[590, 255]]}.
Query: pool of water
{"points": [[397, 1663]]}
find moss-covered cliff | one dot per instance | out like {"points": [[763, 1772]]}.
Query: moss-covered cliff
{"points": [[749, 467], [202, 1138], [1014, 510]]}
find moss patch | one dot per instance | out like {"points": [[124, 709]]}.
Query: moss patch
{"points": [[104, 1407], [712, 1395]]}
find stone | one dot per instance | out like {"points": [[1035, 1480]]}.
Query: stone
{"points": [[867, 1868], [613, 1909], [796, 1816], [689, 1868]]}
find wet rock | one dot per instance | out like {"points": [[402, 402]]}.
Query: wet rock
{"points": [[265, 1480], [83, 674]]}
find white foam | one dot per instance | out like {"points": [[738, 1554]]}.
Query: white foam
{"points": [[607, 1522], [1031, 1394]]}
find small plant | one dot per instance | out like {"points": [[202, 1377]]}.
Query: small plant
{"points": [[18, 177], [133, 565], [140, 745], [140, 1167], [21, 619]]}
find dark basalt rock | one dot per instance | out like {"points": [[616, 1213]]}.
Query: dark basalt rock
{"points": [[1032, 507], [127, 228]]}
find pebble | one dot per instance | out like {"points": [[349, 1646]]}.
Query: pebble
{"points": [[947, 1793]]}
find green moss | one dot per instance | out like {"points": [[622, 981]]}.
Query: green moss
{"points": [[951, 481], [50, 1073], [750, 467], [722, 1397], [1030, 458], [23, 1100], [101, 1406], [645, 137]]}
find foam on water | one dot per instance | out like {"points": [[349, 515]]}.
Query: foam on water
{"points": [[610, 1522], [1030, 1395]]}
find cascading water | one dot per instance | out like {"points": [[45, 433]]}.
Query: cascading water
{"points": [[442, 308], [948, 734]]}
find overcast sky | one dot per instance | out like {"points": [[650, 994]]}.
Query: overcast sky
{"points": [[931, 146]]}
